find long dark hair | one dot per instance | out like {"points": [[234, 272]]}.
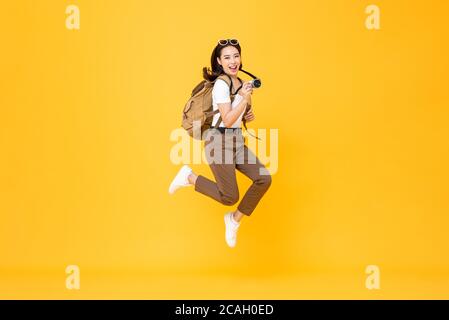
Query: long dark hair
{"points": [[217, 69]]}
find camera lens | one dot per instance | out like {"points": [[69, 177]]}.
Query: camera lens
{"points": [[256, 83]]}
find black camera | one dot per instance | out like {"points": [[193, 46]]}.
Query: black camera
{"points": [[256, 83]]}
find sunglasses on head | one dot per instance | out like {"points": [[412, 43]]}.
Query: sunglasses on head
{"points": [[224, 42]]}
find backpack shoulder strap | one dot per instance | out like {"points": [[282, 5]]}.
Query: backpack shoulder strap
{"points": [[226, 78]]}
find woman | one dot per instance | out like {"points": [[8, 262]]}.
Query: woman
{"points": [[226, 59]]}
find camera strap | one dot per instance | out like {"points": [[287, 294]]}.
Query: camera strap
{"points": [[250, 74]]}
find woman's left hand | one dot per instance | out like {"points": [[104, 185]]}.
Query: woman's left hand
{"points": [[249, 116]]}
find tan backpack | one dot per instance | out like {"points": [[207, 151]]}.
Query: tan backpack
{"points": [[198, 112]]}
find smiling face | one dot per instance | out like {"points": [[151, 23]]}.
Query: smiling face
{"points": [[230, 60]]}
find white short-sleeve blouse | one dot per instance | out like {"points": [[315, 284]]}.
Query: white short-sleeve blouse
{"points": [[221, 94]]}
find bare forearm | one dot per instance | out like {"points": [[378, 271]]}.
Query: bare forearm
{"points": [[232, 116]]}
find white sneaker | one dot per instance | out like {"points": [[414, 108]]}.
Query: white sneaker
{"points": [[231, 229], [181, 179]]}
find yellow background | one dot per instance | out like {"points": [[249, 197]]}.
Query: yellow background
{"points": [[363, 150]]}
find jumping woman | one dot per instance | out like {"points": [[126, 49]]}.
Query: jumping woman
{"points": [[227, 129]]}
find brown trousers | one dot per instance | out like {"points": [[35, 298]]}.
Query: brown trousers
{"points": [[226, 152]]}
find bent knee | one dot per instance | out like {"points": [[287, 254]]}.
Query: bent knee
{"points": [[264, 180], [230, 199]]}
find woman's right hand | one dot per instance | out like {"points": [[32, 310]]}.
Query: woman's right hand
{"points": [[246, 90]]}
